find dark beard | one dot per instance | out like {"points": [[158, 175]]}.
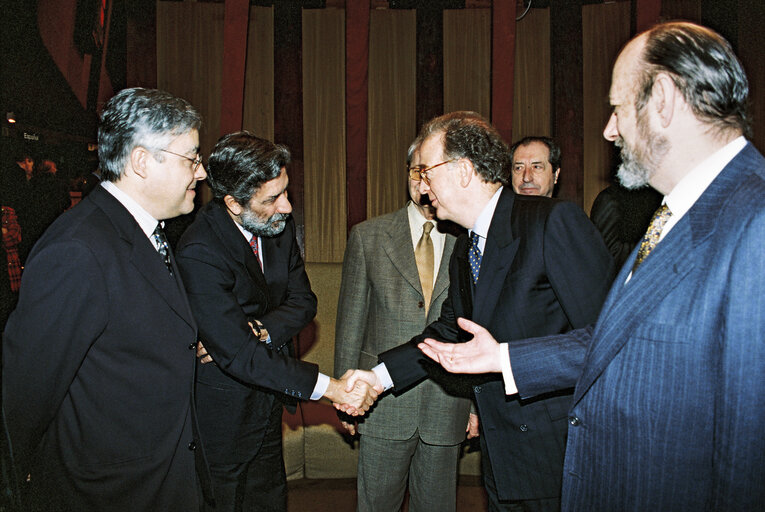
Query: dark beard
{"points": [[639, 164], [272, 226]]}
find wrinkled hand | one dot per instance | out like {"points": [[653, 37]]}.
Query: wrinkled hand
{"points": [[359, 390], [472, 426], [479, 355], [202, 354]]}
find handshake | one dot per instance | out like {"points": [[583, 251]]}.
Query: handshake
{"points": [[355, 392]]}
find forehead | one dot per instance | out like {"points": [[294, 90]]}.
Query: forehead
{"points": [[273, 187], [533, 151], [432, 148], [625, 73]]}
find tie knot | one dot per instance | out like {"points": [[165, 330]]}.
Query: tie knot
{"points": [[427, 228], [475, 238]]}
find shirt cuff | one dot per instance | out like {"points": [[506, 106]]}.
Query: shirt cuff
{"points": [[322, 383], [382, 374], [507, 371]]}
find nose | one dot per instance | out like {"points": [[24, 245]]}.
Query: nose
{"points": [[283, 204], [527, 175], [611, 131], [201, 172], [423, 187]]}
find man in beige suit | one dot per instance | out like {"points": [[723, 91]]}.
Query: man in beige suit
{"points": [[395, 278]]}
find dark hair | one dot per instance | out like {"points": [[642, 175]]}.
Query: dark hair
{"points": [[553, 148], [703, 67], [241, 163], [468, 135], [140, 117]]}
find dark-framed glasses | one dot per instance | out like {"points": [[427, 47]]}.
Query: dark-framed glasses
{"points": [[195, 162], [421, 173]]}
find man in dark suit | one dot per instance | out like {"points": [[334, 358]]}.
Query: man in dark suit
{"points": [[395, 278], [242, 265], [531, 266], [98, 357], [668, 407]]}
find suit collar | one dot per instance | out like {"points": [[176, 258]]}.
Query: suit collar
{"points": [[399, 248]]}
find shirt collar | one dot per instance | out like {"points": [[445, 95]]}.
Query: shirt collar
{"points": [[144, 219], [690, 188]]}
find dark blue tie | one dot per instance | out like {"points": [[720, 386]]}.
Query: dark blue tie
{"points": [[474, 256]]}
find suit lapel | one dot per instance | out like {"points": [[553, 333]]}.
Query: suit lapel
{"points": [[236, 246], [144, 257], [442, 279], [399, 248], [497, 258], [681, 251]]}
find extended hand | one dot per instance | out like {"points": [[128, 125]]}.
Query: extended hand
{"points": [[479, 355]]}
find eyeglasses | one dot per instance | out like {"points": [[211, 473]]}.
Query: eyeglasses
{"points": [[419, 173], [195, 162]]}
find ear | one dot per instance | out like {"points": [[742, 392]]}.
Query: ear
{"points": [[139, 160], [663, 98], [555, 176], [234, 207], [466, 171]]}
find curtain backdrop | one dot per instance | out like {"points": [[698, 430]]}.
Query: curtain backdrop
{"points": [[467, 60]]}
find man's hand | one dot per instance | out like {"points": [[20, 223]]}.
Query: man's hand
{"points": [[472, 426], [353, 394], [479, 355], [202, 354], [350, 427]]}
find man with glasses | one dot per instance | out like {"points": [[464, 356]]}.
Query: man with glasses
{"points": [[395, 278], [536, 166], [529, 266], [99, 356]]}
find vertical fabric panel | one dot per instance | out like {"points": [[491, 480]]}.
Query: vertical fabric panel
{"points": [[189, 64], [605, 28], [236, 21], [324, 134], [467, 60], [502, 63], [258, 112], [392, 56], [533, 87], [751, 41]]}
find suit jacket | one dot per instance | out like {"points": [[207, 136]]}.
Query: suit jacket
{"points": [[545, 269], [98, 369], [226, 287], [381, 303], [668, 408]]}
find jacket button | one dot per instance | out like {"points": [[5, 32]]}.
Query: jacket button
{"points": [[574, 421], [477, 389], [192, 346], [420, 304], [192, 446], [524, 428]]}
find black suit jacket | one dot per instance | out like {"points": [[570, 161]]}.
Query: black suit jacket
{"points": [[545, 270], [98, 369], [226, 286]]}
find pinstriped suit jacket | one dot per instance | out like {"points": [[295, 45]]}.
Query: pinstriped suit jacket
{"points": [[669, 409], [381, 304]]}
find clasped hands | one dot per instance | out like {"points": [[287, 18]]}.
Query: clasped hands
{"points": [[355, 392]]}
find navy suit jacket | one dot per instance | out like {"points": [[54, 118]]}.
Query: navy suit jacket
{"points": [[669, 408], [98, 369], [226, 287], [545, 270]]}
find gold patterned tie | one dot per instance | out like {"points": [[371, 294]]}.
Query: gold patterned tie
{"points": [[423, 255], [652, 235]]}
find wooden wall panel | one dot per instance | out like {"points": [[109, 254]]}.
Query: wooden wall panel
{"points": [[392, 55], [606, 28], [467, 60], [324, 134], [258, 112], [533, 86]]}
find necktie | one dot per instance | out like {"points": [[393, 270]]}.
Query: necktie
{"points": [[651, 237], [254, 245], [160, 241], [423, 255], [474, 256]]}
